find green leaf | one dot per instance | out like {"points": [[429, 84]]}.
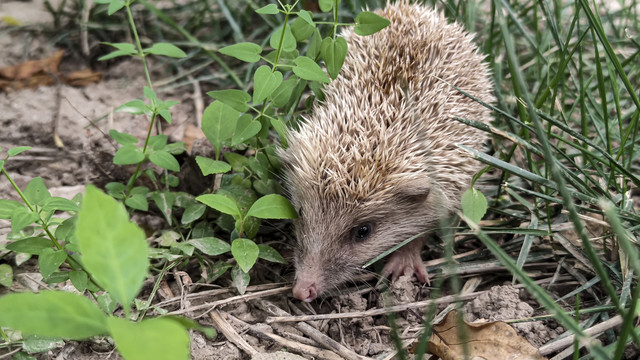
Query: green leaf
{"points": [[128, 155], [301, 29], [281, 95], [245, 252], [237, 99], [52, 313], [272, 206], [308, 69], [114, 6], [7, 207], [369, 23], [270, 254], [124, 49], [220, 203], [158, 142], [158, 338], [138, 202], [264, 83], [270, 9], [123, 138], [210, 245], [192, 213], [17, 150], [210, 166], [307, 16], [164, 200], [165, 49], [58, 203], [36, 192], [474, 205], [245, 51], [106, 303], [288, 42], [281, 129], [50, 260], [334, 51], [114, 250], [325, 5], [314, 45], [218, 123], [165, 160], [135, 107], [240, 279], [236, 161], [21, 217], [32, 245], [245, 129], [79, 279], [6, 275]]}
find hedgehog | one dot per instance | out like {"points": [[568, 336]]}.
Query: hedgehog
{"points": [[378, 160]]}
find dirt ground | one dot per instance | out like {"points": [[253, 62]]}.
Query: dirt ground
{"points": [[84, 114]]}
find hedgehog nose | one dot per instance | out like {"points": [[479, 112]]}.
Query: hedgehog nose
{"points": [[305, 290]]}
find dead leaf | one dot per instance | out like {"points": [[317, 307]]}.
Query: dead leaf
{"points": [[491, 340], [32, 67]]}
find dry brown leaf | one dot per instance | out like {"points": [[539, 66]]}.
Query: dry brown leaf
{"points": [[29, 68], [83, 77], [491, 341]]}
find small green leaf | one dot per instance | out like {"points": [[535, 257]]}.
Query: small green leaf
{"points": [[17, 150], [245, 252], [245, 129], [165, 49], [281, 129], [61, 204], [164, 160], [369, 23], [50, 260], [158, 338], [325, 5], [123, 138], [106, 303], [307, 16], [158, 142], [309, 70], [135, 107], [301, 29], [114, 6], [36, 191], [164, 200], [128, 155], [56, 314], [210, 245], [210, 166], [124, 49], [37, 344], [6, 275], [270, 9], [220, 203], [314, 45], [264, 83], [270, 254], [137, 202], [474, 205], [288, 42], [280, 96], [192, 213], [237, 99], [218, 123], [79, 279], [7, 207], [334, 51], [245, 51], [240, 279], [272, 206], [32, 245], [21, 217], [114, 250]]}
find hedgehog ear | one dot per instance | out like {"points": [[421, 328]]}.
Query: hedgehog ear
{"points": [[415, 191]]}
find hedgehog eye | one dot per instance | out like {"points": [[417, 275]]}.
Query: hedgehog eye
{"points": [[362, 232]]}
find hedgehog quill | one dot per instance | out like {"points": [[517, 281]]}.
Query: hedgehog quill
{"points": [[377, 161]]}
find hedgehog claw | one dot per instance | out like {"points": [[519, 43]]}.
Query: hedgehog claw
{"points": [[407, 261]]}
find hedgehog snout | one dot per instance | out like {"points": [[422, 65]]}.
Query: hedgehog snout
{"points": [[305, 289]]}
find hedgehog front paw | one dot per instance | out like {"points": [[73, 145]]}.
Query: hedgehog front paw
{"points": [[407, 261]]}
